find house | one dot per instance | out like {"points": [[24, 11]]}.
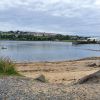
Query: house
{"points": [[97, 39]]}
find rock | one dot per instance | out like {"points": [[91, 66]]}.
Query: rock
{"points": [[98, 65], [41, 78], [92, 65], [92, 78]]}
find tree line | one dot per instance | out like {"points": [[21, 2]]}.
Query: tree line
{"points": [[26, 37]]}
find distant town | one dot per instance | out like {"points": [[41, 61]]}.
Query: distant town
{"points": [[27, 33], [38, 36], [43, 36]]}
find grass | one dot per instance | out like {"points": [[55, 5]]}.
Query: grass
{"points": [[68, 40], [7, 67]]}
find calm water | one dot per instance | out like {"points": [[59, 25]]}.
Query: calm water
{"points": [[21, 51]]}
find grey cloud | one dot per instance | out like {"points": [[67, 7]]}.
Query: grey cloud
{"points": [[76, 16]]}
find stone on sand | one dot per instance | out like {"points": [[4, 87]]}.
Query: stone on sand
{"points": [[92, 65], [40, 78]]}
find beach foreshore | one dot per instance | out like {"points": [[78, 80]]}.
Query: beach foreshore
{"points": [[62, 71], [62, 81]]}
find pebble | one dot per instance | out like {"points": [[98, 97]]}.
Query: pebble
{"points": [[21, 88]]}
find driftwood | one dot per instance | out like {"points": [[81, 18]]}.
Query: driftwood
{"points": [[92, 78]]}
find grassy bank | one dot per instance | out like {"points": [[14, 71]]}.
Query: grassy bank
{"points": [[68, 40], [7, 67]]}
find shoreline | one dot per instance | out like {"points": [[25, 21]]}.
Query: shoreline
{"points": [[86, 58], [61, 81]]}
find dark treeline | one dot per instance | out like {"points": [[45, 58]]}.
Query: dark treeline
{"points": [[26, 37]]}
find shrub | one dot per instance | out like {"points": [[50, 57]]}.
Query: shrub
{"points": [[7, 67]]}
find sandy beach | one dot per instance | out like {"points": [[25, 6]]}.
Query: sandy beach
{"points": [[62, 81], [60, 72]]}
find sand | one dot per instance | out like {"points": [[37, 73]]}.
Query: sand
{"points": [[60, 72], [63, 81]]}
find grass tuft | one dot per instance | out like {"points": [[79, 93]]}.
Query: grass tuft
{"points": [[7, 67]]}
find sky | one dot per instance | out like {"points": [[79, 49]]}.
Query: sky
{"points": [[81, 17]]}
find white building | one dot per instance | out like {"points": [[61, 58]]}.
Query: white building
{"points": [[97, 39]]}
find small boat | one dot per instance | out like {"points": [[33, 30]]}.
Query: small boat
{"points": [[3, 48]]}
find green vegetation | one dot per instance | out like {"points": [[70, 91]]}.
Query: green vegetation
{"points": [[31, 37], [68, 40], [7, 67]]}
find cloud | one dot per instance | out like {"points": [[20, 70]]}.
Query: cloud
{"points": [[76, 16]]}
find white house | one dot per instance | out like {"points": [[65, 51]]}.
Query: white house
{"points": [[97, 39]]}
